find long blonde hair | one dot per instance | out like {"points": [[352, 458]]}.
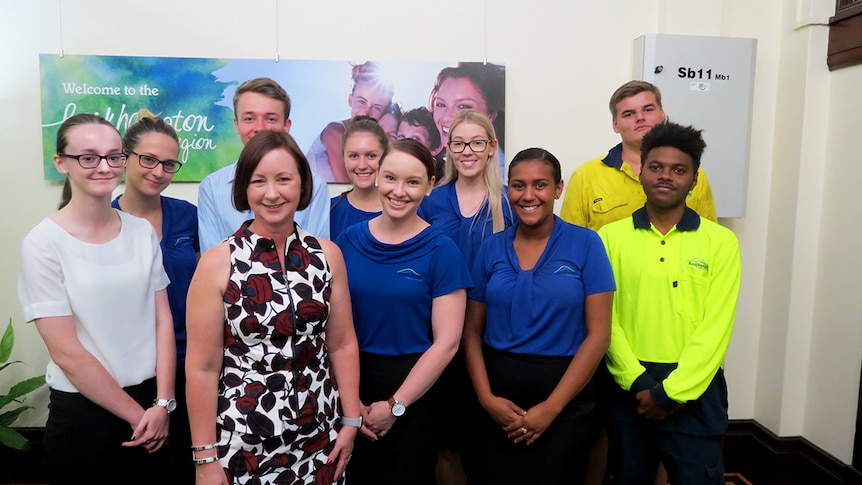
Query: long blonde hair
{"points": [[493, 181]]}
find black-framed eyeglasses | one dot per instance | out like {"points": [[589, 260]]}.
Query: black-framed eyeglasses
{"points": [[146, 161], [91, 160], [477, 146]]}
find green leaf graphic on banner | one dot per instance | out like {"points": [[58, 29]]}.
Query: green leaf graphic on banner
{"points": [[183, 91]]}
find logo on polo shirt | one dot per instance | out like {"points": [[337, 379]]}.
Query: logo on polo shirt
{"points": [[566, 270], [698, 263], [410, 274]]}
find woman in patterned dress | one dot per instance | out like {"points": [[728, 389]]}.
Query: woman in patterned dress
{"points": [[270, 331]]}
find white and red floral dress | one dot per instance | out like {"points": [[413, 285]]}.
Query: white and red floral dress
{"points": [[277, 404]]}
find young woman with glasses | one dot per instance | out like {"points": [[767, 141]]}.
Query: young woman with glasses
{"points": [[471, 202], [470, 205], [93, 283], [152, 147]]}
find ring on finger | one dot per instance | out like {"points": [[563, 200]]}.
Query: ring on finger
{"points": [[523, 430]]}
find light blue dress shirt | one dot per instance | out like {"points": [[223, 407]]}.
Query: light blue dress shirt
{"points": [[218, 219]]}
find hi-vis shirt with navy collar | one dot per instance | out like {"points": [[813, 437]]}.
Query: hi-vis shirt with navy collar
{"points": [[675, 301], [606, 189]]}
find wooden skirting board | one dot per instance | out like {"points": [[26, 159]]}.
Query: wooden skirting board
{"points": [[766, 459]]}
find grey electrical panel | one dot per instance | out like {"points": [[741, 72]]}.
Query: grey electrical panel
{"points": [[707, 82]]}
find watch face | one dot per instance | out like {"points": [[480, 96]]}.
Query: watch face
{"points": [[168, 404], [398, 409]]}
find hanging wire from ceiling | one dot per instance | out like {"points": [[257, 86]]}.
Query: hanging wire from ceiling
{"points": [[60, 11], [276, 31], [485, 46]]}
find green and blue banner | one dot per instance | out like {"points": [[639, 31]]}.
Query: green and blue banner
{"points": [[195, 96]]}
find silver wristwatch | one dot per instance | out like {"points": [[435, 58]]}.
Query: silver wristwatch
{"points": [[169, 404]]}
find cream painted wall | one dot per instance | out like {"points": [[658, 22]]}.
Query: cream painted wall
{"points": [[788, 293], [564, 59], [836, 335]]}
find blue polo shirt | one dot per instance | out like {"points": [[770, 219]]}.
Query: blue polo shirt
{"points": [[392, 286], [441, 210], [343, 215], [540, 311]]}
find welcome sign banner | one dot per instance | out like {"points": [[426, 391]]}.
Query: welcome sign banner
{"points": [[195, 96]]}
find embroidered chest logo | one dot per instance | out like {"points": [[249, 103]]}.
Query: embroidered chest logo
{"points": [[410, 274], [566, 270], [698, 263]]}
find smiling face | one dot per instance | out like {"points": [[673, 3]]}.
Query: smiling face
{"points": [[667, 176], [368, 99], [402, 182], [91, 138], [532, 192], [418, 133], [151, 182], [362, 152], [636, 116], [469, 163], [274, 189], [457, 94], [256, 112]]}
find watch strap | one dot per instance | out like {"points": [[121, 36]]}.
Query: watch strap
{"points": [[354, 422], [396, 407]]}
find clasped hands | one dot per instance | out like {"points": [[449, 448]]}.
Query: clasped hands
{"points": [[520, 426], [377, 420], [151, 432], [648, 408]]}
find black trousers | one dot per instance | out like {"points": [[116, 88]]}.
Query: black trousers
{"points": [[182, 470], [83, 442]]}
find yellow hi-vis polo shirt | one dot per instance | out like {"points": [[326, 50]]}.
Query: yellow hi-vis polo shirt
{"points": [[606, 189], [675, 301]]}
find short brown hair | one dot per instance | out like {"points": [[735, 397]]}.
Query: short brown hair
{"points": [[266, 87], [630, 89], [261, 144]]}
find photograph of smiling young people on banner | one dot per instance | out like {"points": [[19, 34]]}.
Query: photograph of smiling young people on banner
{"points": [[194, 97]]}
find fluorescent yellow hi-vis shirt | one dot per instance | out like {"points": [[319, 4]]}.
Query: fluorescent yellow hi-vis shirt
{"points": [[606, 189], [675, 301]]}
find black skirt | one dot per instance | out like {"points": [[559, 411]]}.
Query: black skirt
{"points": [[408, 452], [560, 454]]}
